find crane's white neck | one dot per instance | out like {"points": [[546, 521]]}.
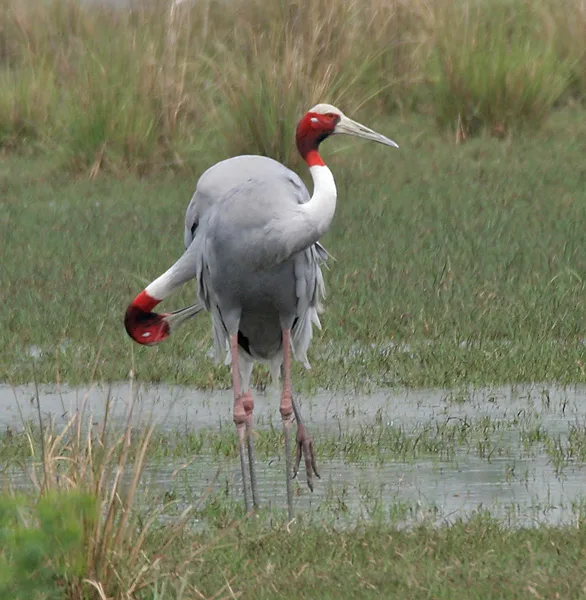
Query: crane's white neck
{"points": [[164, 285], [321, 207]]}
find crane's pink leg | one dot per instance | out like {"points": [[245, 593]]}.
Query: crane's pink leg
{"points": [[286, 414], [304, 443], [248, 403], [240, 417], [305, 449]]}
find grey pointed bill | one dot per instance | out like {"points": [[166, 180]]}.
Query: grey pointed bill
{"points": [[347, 126], [178, 317]]}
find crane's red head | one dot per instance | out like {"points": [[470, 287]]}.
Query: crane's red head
{"points": [[324, 120], [142, 325], [315, 126]]}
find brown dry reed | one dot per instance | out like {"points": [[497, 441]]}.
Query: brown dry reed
{"points": [[126, 547]]}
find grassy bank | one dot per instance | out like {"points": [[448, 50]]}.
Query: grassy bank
{"points": [[153, 86], [454, 264], [476, 558]]}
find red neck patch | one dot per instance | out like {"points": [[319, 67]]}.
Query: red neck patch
{"points": [[314, 159], [145, 302]]}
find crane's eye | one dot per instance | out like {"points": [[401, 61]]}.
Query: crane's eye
{"points": [[331, 115]]}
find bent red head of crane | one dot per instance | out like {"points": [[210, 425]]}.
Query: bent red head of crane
{"points": [[324, 120], [148, 328]]}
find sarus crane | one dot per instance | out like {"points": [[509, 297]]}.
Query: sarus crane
{"points": [[251, 237]]}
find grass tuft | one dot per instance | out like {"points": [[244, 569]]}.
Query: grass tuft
{"points": [[494, 66]]}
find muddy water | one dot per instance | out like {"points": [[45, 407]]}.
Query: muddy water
{"points": [[519, 484]]}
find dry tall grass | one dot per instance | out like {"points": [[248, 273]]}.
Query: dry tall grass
{"points": [[126, 547], [280, 63], [495, 64], [157, 84]]}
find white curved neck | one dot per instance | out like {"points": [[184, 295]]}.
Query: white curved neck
{"points": [[321, 207], [174, 277]]}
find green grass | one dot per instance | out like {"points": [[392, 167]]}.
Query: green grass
{"points": [[452, 264], [474, 559], [42, 549]]}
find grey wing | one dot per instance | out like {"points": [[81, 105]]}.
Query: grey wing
{"points": [[191, 220], [201, 201], [206, 292], [310, 290], [225, 176]]}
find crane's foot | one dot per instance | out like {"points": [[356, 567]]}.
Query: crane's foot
{"points": [[304, 445]]}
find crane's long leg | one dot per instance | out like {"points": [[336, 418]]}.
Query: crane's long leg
{"points": [[286, 414], [240, 417], [304, 448], [248, 403]]}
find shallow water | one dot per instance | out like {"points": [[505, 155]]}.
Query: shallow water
{"points": [[517, 483]]}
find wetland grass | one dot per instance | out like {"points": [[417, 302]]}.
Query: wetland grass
{"points": [[450, 267], [439, 431], [76, 529]]}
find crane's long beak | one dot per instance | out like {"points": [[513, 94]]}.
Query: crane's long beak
{"points": [[177, 317], [349, 127]]}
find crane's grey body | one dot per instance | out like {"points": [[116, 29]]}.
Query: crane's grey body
{"points": [[250, 277]]}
